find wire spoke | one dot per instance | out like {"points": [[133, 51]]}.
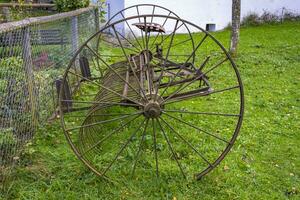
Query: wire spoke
{"points": [[164, 39], [199, 129], [138, 49], [140, 148], [108, 115], [109, 135], [120, 45], [99, 103], [153, 13], [122, 148], [172, 38], [155, 146], [179, 43], [203, 113], [138, 12], [103, 122], [151, 46], [175, 100], [171, 148], [131, 31], [188, 143]]}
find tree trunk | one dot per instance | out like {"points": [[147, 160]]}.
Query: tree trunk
{"points": [[236, 20]]}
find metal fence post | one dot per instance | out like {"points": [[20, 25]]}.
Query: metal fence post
{"points": [[97, 21], [28, 68], [74, 37], [74, 32]]}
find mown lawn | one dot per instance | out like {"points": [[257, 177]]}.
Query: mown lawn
{"points": [[264, 162]]}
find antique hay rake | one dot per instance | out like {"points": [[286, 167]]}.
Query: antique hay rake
{"points": [[151, 98]]}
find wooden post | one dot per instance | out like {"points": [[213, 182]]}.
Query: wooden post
{"points": [[28, 68], [236, 20]]}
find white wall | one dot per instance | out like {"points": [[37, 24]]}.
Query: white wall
{"points": [[202, 12]]}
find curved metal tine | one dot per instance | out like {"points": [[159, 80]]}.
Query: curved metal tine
{"points": [[158, 33], [171, 148], [123, 147], [203, 113], [155, 146], [167, 55], [108, 89], [132, 69], [140, 149], [195, 79], [194, 51], [188, 143], [138, 12], [197, 128], [109, 135], [103, 122], [111, 68], [120, 46]]}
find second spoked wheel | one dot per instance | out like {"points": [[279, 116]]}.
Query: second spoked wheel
{"points": [[152, 102]]}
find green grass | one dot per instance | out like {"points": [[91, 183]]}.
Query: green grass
{"points": [[264, 162]]}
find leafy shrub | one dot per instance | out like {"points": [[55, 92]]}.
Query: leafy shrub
{"points": [[290, 16], [14, 109], [8, 144], [68, 5], [268, 17], [251, 19]]}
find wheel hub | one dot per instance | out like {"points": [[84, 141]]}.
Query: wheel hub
{"points": [[152, 110]]}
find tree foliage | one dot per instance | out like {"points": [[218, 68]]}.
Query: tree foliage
{"points": [[68, 5]]}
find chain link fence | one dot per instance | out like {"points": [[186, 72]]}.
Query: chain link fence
{"points": [[33, 56]]}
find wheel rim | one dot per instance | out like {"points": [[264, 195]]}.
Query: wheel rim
{"points": [[120, 91]]}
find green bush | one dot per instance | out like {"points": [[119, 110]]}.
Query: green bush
{"points": [[68, 5], [251, 19], [8, 144], [14, 98]]}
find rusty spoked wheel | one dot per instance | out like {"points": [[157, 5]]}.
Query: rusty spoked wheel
{"points": [[150, 102]]}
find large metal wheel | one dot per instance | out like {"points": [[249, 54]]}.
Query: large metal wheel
{"points": [[152, 102]]}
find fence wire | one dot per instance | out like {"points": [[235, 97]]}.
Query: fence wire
{"points": [[32, 60]]}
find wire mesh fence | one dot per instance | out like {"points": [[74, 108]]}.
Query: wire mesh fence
{"points": [[33, 56]]}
